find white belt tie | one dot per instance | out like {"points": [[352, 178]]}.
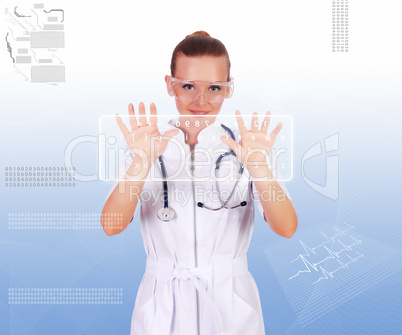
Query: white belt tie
{"points": [[181, 273], [222, 270]]}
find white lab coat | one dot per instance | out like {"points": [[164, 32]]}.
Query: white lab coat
{"points": [[199, 250]]}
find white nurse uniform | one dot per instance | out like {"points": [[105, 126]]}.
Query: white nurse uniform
{"points": [[196, 279]]}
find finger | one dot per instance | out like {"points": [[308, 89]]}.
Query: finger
{"points": [[171, 133], [122, 126], [265, 122], [132, 117], [167, 136], [275, 132], [153, 118], [143, 116], [254, 123], [231, 144], [240, 122]]}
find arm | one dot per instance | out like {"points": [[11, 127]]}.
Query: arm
{"points": [[123, 200], [253, 149], [279, 212]]}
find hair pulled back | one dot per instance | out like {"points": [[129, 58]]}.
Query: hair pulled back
{"points": [[199, 43]]}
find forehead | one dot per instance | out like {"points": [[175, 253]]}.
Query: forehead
{"points": [[203, 68]]}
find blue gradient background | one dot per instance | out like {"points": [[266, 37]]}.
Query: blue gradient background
{"points": [[281, 61]]}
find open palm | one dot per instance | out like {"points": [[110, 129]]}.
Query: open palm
{"points": [[144, 139], [254, 145]]}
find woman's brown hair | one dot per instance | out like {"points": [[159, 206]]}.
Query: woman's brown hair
{"points": [[199, 43]]}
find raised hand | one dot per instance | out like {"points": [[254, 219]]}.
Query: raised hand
{"points": [[254, 145], [144, 135]]}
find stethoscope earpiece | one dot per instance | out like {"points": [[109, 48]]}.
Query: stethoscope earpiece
{"points": [[242, 204]]}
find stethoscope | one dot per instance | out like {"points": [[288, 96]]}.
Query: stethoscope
{"points": [[167, 213]]}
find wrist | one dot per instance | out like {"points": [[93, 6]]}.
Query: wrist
{"points": [[138, 169], [259, 171]]}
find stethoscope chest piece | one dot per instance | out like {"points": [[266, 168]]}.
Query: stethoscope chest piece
{"points": [[166, 213]]}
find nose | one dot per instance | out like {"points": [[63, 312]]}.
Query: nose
{"points": [[201, 99]]}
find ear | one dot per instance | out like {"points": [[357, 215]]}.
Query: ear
{"points": [[227, 93], [167, 81]]}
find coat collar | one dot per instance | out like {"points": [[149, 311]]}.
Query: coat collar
{"points": [[207, 137]]}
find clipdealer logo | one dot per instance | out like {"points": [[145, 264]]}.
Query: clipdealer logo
{"points": [[330, 147], [331, 187]]}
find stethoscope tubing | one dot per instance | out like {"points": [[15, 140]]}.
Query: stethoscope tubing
{"points": [[200, 204]]}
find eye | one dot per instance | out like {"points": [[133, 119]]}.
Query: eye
{"points": [[188, 87], [215, 88]]}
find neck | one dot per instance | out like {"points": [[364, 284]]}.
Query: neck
{"points": [[190, 135], [191, 132]]}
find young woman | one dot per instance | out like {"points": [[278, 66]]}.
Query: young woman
{"points": [[196, 239]]}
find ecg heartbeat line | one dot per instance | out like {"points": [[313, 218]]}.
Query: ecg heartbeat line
{"points": [[334, 255], [328, 274]]}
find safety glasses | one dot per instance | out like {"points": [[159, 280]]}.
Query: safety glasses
{"points": [[190, 90]]}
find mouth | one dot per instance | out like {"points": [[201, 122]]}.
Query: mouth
{"points": [[197, 112]]}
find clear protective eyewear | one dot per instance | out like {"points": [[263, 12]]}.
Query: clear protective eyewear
{"points": [[190, 90]]}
